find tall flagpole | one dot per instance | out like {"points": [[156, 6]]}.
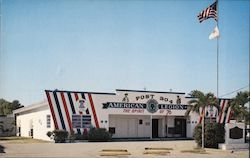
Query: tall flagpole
{"points": [[218, 50], [217, 89]]}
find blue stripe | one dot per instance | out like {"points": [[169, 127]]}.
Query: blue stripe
{"points": [[83, 96], [71, 103], [73, 109], [59, 110]]}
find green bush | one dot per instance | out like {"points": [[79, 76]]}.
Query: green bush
{"points": [[49, 134], [197, 134], [76, 136], [72, 137], [60, 136], [81, 136], [213, 135], [99, 135]]}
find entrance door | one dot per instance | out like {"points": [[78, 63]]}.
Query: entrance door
{"points": [[155, 128], [132, 128], [180, 126]]}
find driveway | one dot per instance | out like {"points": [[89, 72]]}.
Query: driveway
{"points": [[92, 150]]}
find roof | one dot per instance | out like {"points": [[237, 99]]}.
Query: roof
{"points": [[79, 92], [106, 93], [145, 91], [32, 107]]}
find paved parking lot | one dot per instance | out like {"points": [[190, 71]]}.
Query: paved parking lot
{"points": [[91, 150]]}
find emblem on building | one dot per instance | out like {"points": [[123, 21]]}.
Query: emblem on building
{"points": [[125, 99], [178, 100], [81, 104], [152, 105]]}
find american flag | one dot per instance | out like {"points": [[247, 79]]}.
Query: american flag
{"points": [[209, 12]]}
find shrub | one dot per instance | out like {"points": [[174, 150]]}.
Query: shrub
{"points": [[213, 135], [60, 136], [197, 134], [220, 133], [99, 135], [72, 137], [81, 136], [50, 134]]}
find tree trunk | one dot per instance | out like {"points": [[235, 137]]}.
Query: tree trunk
{"points": [[202, 140]]}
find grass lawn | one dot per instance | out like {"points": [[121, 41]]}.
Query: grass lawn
{"points": [[20, 140]]}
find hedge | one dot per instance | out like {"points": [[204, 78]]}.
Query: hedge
{"points": [[59, 136], [213, 135], [99, 135]]}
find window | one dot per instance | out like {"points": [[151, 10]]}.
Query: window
{"points": [[112, 130], [86, 121], [76, 121], [140, 122], [48, 120], [81, 121]]}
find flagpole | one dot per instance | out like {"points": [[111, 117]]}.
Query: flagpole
{"points": [[217, 89]]}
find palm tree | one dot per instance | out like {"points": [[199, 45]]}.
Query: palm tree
{"points": [[237, 105], [201, 101]]}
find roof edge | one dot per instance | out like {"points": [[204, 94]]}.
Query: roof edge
{"points": [[129, 90], [31, 107]]}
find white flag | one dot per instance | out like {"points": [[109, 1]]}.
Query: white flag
{"points": [[214, 34]]}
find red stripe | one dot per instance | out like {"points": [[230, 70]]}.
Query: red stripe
{"points": [[76, 96], [67, 111], [202, 113], [222, 110], [93, 110], [230, 115], [52, 110]]}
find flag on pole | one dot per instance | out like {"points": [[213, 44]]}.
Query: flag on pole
{"points": [[209, 12], [214, 34]]}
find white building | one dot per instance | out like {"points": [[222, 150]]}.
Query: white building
{"points": [[126, 114], [34, 121]]}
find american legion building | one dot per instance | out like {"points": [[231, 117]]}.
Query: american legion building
{"points": [[125, 114]]}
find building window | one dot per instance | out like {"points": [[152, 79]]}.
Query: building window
{"points": [[140, 122], [76, 121], [81, 121], [112, 130], [147, 123], [86, 121], [48, 120]]}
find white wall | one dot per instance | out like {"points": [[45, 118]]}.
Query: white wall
{"points": [[37, 119], [194, 120], [128, 126]]}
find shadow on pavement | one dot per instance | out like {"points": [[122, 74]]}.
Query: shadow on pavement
{"points": [[2, 149]]}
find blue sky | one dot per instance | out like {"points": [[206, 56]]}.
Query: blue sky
{"points": [[106, 45]]}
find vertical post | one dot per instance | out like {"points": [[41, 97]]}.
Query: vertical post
{"points": [[202, 128], [166, 125], [217, 91], [151, 136], [217, 50]]}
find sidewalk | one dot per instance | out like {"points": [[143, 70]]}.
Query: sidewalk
{"points": [[90, 150]]}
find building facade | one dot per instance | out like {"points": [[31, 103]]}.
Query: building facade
{"points": [[125, 114], [34, 121]]}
